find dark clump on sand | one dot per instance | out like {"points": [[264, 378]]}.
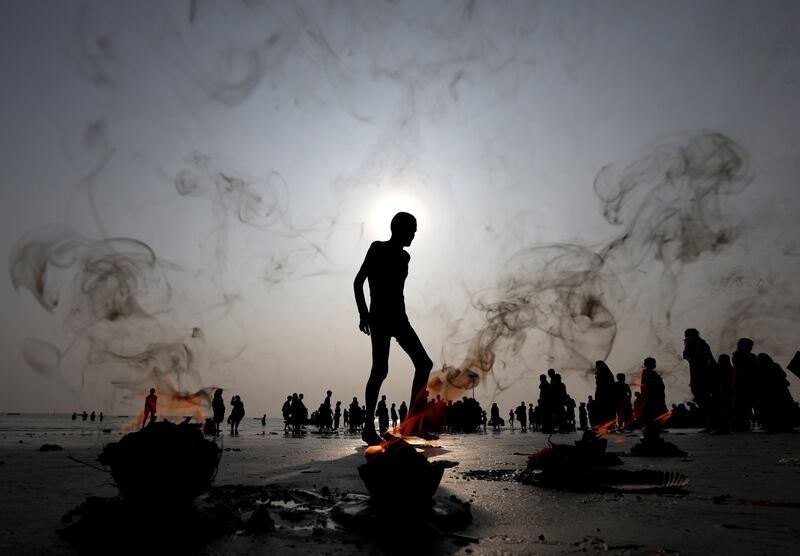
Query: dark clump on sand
{"points": [[115, 526], [162, 465], [653, 445], [585, 467], [159, 471], [50, 448]]}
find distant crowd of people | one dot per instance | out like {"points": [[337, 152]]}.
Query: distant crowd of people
{"points": [[91, 416], [730, 392], [738, 392]]}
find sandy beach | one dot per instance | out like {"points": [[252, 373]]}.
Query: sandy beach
{"points": [[743, 495]]}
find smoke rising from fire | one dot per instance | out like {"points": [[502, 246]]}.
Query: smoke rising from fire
{"points": [[567, 299], [105, 293]]}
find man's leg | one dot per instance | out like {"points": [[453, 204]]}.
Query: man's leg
{"points": [[409, 341], [380, 368]]}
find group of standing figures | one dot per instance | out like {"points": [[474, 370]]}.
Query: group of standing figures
{"points": [[735, 391], [740, 390], [328, 417], [613, 406], [236, 414]]}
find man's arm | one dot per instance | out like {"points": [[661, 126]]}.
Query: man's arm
{"points": [[358, 287]]}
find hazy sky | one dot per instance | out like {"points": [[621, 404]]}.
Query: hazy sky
{"points": [[193, 185]]}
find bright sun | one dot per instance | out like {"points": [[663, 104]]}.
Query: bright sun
{"points": [[387, 205]]}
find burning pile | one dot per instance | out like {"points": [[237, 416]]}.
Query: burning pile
{"points": [[402, 483], [395, 474], [164, 464], [400, 478]]}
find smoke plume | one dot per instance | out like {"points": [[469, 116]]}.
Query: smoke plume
{"points": [[569, 298]]}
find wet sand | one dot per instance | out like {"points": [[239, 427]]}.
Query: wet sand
{"points": [[743, 495]]}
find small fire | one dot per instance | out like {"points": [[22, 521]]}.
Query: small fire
{"points": [[175, 403], [606, 428], [423, 417], [662, 418]]}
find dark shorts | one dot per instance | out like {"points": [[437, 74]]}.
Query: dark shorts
{"points": [[383, 330]]}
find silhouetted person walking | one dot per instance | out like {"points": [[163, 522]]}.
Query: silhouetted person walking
{"points": [[495, 421], [653, 393], [382, 413], [702, 370], [355, 415], [745, 371], [623, 397], [582, 417], [218, 408], [403, 411], [150, 403], [286, 411], [385, 267], [237, 414], [337, 414]]}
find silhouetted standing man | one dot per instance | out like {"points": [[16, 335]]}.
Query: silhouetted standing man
{"points": [[385, 268], [150, 403], [403, 411]]}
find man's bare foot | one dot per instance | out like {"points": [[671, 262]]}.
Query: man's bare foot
{"points": [[371, 437]]}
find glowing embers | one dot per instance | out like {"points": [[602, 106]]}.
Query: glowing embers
{"points": [[606, 428]]}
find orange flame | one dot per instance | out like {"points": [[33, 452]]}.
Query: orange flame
{"points": [[606, 428], [662, 418], [423, 417], [176, 404], [372, 450]]}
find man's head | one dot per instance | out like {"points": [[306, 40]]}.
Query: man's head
{"points": [[152, 390], [403, 227], [650, 363], [745, 345]]}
